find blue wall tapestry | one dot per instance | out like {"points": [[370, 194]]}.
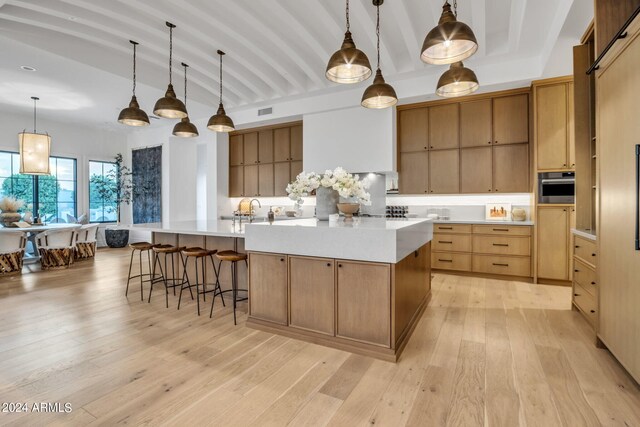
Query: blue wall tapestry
{"points": [[146, 167]]}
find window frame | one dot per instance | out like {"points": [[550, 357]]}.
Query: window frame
{"points": [[102, 162]]}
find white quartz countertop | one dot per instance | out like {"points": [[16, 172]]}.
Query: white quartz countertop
{"points": [[587, 234], [363, 239], [219, 228], [480, 222]]}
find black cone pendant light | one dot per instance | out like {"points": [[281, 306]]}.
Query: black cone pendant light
{"points": [[380, 94], [450, 41], [169, 106], [457, 81], [349, 64], [184, 128], [220, 122], [133, 115]]}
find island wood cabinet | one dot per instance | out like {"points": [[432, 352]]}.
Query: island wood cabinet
{"points": [[365, 307], [263, 161], [553, 129], [477, 145]]}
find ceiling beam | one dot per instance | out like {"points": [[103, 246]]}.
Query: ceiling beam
{"points": [[516, 22], [399, 11], [479, 24], [388, 61], [553, 33]]}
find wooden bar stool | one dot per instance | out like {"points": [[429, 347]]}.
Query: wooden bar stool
{"points": [[141, 247], [169, 281], [199, 254], [234, 258]]}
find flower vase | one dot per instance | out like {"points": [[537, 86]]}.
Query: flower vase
{"points": [[326, 203], [8, 218]]}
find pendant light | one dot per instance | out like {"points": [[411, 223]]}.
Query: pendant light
{"points": [[133, 115], [458, 80], [184, 128], [349, 64], [450, 41], [220, 122], [380, 94], [169, 106], [34, 149]]}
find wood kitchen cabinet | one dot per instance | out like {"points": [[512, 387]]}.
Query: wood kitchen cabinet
{"points": [[553, 242], [444, 123], [554, 133], [511, 119], [362, 288], [236, 181], [251, 186], [282, 145], [281, 177], [476, 166], [413, 128], [312, 294], [476, 123], [296, 169], [265, 180], [250, 148], [265, 146], [268, 287], [296, 143], [413, 177], [511, 168], [236, 146], [444, 172]]}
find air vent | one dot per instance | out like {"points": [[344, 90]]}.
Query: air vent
{"points": [[265, 111]]}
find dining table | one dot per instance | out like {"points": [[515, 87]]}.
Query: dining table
{"points": [[32, 255]]}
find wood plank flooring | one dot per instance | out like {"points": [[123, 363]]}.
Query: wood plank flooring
{"points": [[485, 352]]}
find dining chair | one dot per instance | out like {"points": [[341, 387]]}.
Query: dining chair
{"points": [[86, 242], [57, 248], [12, 245]]}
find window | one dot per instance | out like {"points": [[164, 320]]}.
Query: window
{"points": [[103, 206], [56, 192]]}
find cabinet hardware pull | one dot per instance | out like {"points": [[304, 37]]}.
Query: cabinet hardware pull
{"points": [[593, 283], [445, 260], [489, 142], [425, 148], [328, 264], [496, 142], [593, 254], [445, 228], [500, 229], [576, 295], [501, 244], [445, 241], [593, 311], [497, 264], [576, 270], [577, 247], [282, 259], [340, 265]]}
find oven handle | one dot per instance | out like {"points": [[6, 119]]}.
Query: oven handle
{"points": [[558, 181], [637, 197]]}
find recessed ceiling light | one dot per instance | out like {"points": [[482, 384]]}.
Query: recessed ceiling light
{"points": [[27, 68]]}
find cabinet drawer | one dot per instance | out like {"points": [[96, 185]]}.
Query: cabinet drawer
{"points": [[452, 228], [503, 265], [502, 245], [506, 230], [451, 242], [585, 276], [585, 249], [586, 302], [451, 261]]}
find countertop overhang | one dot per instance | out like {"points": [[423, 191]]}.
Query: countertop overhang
{"points": [[218, 228], [362, 239]]}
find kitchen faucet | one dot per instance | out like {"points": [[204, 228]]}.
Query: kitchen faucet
{"points": [[251, 209]]}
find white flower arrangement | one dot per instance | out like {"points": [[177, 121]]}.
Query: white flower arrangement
{"points": [[346, 184], [11, 204]]}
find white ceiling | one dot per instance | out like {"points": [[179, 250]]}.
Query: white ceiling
{"points": [[276, 49]]}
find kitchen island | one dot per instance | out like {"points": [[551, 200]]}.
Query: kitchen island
{"points": [[358, 285]]}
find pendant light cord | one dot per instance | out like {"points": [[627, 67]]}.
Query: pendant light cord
{"points": [[134, 68], [347, 12], [220, 78], [185, 83], [378, 33], [170, 50], [35, 100]]}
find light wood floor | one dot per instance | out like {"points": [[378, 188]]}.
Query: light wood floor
{"points": [[486, 352]]}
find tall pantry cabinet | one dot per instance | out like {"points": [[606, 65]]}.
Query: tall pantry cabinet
{"points": [[618, 151]]}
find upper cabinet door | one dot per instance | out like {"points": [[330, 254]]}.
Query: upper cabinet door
{"points": [[265, 146], [413, 175], [414, 126], [511, 119], [476, 170], [552, 130], [251, 148], [296, 143], [475, 123], [444, 124], [511, 169], [572, 134], [281, 145], [236, 158], [444, 171]]}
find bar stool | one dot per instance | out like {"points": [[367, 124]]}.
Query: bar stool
{"points": [[199, 254], [150, 276], [234, 258], [169, 281]]}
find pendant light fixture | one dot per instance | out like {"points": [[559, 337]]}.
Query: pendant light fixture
{"points": [[34, 149], [184, 128], [133, 115], [169, 106], [380, 94], [349, 64], [220, 122], [458, 80], [450, 41]]}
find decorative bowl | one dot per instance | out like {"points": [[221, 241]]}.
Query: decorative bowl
{"points": [[290, 214], [348, 209]]}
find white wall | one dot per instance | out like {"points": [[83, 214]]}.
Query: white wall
{"points": [[358, 139]]}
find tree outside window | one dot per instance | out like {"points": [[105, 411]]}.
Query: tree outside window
{"points": [[103, 191]]}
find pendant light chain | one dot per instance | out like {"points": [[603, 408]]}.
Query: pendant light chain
{"points": [[378, 32], [348, 23], [220, 78], [170, 50], [185, 83], [134, 68], [455, 8]]}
